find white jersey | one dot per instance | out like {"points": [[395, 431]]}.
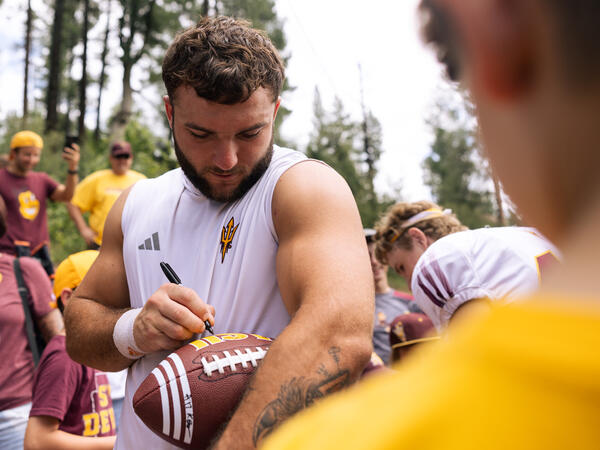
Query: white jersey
{"points": [[495, 263], [117, 382], [224, 251]]}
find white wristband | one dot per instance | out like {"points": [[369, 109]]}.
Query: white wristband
{"points": [[123, 335]]}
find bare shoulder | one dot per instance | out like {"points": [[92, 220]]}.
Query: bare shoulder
{"points": [[310, 175], [308, 191]]}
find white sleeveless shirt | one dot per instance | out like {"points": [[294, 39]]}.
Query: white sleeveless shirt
{"points": [[224, 251], [504, 263]]}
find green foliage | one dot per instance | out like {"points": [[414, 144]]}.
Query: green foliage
{"points": [[69, 54], [11, 124], [338, 141], [147, 26], [453, 170], [397, 282], [372, 206], [64, 237], [262, 15], [334, 142], [153, 155]]}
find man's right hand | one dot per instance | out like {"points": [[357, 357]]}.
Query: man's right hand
{"points": [[170, 317]]}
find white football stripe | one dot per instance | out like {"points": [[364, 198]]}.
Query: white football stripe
{"points": [[187, 398], [164, 399], [175, 397]]}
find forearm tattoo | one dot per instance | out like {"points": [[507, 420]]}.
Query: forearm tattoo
{"points": [[299, 393]]}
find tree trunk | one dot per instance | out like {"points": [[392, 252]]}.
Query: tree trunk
{"points": [[70, 94], [83, 82], [28, 31], [55, 56], [122, 117], [102, 72], [141, 24], [499, 203]]}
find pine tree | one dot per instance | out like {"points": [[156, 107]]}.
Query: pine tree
{"points": [[454, 170], [339, 141]]}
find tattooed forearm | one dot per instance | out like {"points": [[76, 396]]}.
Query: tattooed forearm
{"points": [[289, 401], [331, 384], [298, 394]]}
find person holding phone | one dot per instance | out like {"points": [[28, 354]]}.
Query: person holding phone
{"points": [[98, 191], [26, 192]]}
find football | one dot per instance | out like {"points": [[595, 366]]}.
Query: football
{"points": [[194, 390]]}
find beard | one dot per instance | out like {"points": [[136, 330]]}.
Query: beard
{"points": [[202, 184]]}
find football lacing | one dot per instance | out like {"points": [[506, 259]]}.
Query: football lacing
{"points": [[231, 361]]}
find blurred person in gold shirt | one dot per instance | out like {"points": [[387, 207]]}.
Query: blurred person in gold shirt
{"points": [[98, 191], [524, 375]]}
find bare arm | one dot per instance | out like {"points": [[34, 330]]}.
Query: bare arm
{"points": [[169, 317], [51, 324], [85, 231], [325, 281], [43, 433], [2, 216], [64, 192]]}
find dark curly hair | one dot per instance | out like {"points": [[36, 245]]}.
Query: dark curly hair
{"points": [[224, 60]]}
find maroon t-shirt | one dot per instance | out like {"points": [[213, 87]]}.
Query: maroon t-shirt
{"points": [[16, 362], [25, 199], [77, 395]]}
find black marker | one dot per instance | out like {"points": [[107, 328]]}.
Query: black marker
{"points": [[173, 278]]}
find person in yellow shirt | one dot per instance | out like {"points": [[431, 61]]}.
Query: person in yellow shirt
{"points": [[99, 190], [524, 375]]}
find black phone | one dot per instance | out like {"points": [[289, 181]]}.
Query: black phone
{"points": [[70, 140]]}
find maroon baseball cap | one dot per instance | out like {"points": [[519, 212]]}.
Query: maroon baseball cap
{"points": [[411, 328], [121, 148]]}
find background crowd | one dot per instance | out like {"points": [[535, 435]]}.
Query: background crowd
{"points": [[32, 320]]}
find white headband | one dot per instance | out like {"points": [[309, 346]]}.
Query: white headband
{"points": [[419, 217]]}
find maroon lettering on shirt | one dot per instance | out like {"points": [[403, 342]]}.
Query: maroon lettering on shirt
{"points": [[77, 395], [16, 369], [25, 199]]}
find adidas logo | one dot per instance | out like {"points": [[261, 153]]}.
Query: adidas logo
{"points": [[151, 243]]}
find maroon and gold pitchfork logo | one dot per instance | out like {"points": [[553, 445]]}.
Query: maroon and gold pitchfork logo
{"points": [[227, 235]]}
